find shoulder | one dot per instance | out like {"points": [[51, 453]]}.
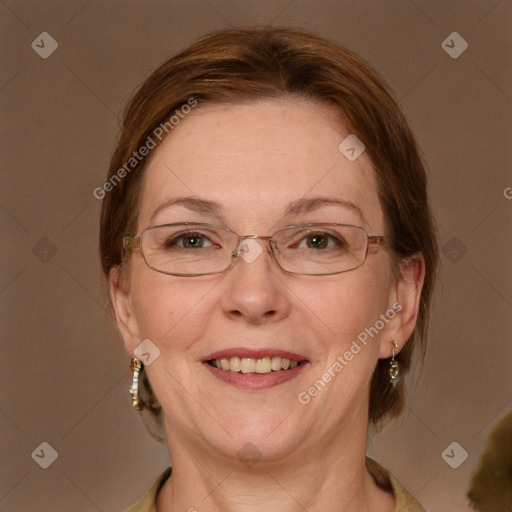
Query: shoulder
{"points": [[405, 502], [148, 502]]}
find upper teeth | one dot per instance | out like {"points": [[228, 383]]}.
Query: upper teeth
{"points": [[252, 365]]}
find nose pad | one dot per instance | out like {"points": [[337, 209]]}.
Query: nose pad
{"points": [[235, 255], [249, 250], [274, 249]]}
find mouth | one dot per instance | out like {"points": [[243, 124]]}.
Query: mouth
{"points": [[260, 365], [255, 369]]}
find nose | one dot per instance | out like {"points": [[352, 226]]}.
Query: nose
{"points": [[255, 289]]}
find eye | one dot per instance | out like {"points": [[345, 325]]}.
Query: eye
{"points": [[190, 240], [317, 241], [323, 240]]}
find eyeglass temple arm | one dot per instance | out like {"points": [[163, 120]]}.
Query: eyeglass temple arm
{"points": [[131, 242], [378, 240]]}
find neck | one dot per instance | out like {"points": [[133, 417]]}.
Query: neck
{"points": [[326, 476]]}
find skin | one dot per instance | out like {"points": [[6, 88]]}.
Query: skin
{"points": [[254, 159]]}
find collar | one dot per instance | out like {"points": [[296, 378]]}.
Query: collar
{"points": [[405, 502]]}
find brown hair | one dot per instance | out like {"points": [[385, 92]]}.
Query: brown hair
{"points": [[237, 65]]}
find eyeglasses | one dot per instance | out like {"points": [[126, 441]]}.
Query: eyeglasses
{"points": [[196, 249]]}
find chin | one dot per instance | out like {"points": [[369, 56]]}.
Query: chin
{"points": [[252, 438]]}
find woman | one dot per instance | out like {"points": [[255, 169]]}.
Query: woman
{"points": [[270, 253]]}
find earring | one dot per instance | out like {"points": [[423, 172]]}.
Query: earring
{"points": [[394, 369], [136, 367]]}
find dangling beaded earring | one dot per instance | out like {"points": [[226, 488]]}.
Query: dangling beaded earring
{"points": [[394, 369], [136, 366]]}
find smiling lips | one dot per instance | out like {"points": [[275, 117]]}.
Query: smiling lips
{"points": [[254, 369], [251, 365]]}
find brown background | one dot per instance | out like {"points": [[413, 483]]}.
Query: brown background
{"points": [[64, 372]]}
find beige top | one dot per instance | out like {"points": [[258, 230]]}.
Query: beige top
{"points": [[404, 501]]}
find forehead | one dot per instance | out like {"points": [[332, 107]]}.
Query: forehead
{"points": [[255, 159]]}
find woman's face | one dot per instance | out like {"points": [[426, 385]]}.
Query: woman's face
{"points": [[254, 161]]}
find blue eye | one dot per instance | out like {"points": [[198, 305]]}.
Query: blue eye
{"points": [[187, 241]]}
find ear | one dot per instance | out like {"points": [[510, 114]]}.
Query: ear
{"points": [[406, 296], [121, 300]]}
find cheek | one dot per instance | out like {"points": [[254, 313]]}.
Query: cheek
{"points": [[171, 311], [349, 303], [354, 327]]}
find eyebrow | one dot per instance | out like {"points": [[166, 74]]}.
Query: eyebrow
{"points": [[194, 204], [307, 205], [301, 206]]}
